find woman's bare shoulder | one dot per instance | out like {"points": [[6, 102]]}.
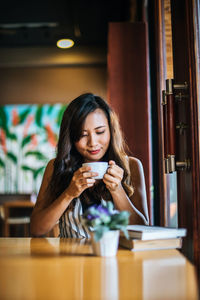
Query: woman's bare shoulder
{"points": [[50, 166], [134, 162], [42, 199], [136, 168], [138, 180]]}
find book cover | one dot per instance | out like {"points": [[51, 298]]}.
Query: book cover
{"points": [[158, 244], [144, 232]]}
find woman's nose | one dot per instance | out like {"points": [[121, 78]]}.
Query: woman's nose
{"points": [[92, 140]]}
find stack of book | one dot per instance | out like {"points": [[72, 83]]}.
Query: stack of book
{"points": [[142, 237]]}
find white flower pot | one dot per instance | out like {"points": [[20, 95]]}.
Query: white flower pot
{"points": [[107, 245]]}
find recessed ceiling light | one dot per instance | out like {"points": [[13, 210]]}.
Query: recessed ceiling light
{"points": [[65, 43]]}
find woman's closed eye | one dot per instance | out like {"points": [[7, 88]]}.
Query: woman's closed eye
{"points": [[100, 132], [84, 134]]}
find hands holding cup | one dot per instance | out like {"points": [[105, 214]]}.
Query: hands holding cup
{"points": [[86, 176], [82, 179], [111, 174], [99, 167]]}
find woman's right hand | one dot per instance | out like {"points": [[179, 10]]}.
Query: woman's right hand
{"points": [[81, 180]]}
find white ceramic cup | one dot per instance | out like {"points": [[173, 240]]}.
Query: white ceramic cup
{"points": [[98, 167]]}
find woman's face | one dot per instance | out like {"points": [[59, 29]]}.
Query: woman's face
{"points": [[95, 138]]}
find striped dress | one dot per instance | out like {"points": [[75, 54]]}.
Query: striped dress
{"points": [[70, 223]]}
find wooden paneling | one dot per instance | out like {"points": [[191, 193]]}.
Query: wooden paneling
{"points": [[187, 112], [168, 40], [128, 89], [157, 62]]}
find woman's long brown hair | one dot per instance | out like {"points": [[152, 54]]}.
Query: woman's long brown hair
{"points": [[68, 159]]}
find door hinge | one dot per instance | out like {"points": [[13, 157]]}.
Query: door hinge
{"points": [[183, 165], [174, 88], [170, 165]]}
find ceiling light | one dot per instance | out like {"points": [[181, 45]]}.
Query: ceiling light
{"points": [[65, 43]]}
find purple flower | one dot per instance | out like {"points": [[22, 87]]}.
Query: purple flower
{"points": [[103, 210], [91, 217], [103, 218]]}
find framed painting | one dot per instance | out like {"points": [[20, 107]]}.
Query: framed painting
{"points": [[28, 139]]}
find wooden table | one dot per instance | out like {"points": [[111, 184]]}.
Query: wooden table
{"points": [[53, 268]]}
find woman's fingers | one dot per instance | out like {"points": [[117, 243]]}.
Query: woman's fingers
{"points": [[84, 169], [115, 171], [85, 172], [111, 182], [83, 178], [113, 176], [86, 181], [108, 179], [89, 174], [112, 162]]}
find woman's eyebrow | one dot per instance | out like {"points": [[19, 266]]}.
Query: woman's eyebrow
{"points": [[102, 126]]}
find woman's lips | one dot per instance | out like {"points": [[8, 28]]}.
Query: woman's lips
{"points": [[93, 152]]}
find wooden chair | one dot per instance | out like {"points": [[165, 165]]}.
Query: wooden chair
{"points": [[9, 220]]}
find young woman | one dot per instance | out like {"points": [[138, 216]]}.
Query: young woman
{"points": [[89, 132]]}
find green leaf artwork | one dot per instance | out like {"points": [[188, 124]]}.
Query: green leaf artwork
{"points": [[3, 118], [12, 156], [2, 164], [60, 115], [39, 115], [28, 138], [37, 154], [24, 115]]}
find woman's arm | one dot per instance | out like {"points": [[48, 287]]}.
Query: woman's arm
{"points": [[46, 212], [137, 203]]}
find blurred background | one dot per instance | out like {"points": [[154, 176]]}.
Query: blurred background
{"points": [[38, 78], [134, 54]]}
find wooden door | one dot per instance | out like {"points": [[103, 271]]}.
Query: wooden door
{"points": [[185, 56], [185, 85]]}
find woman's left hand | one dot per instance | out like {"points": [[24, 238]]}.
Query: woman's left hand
{"points": [[113, 177]]}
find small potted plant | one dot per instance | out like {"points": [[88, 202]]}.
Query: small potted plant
{"points": [[105, 223]]}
